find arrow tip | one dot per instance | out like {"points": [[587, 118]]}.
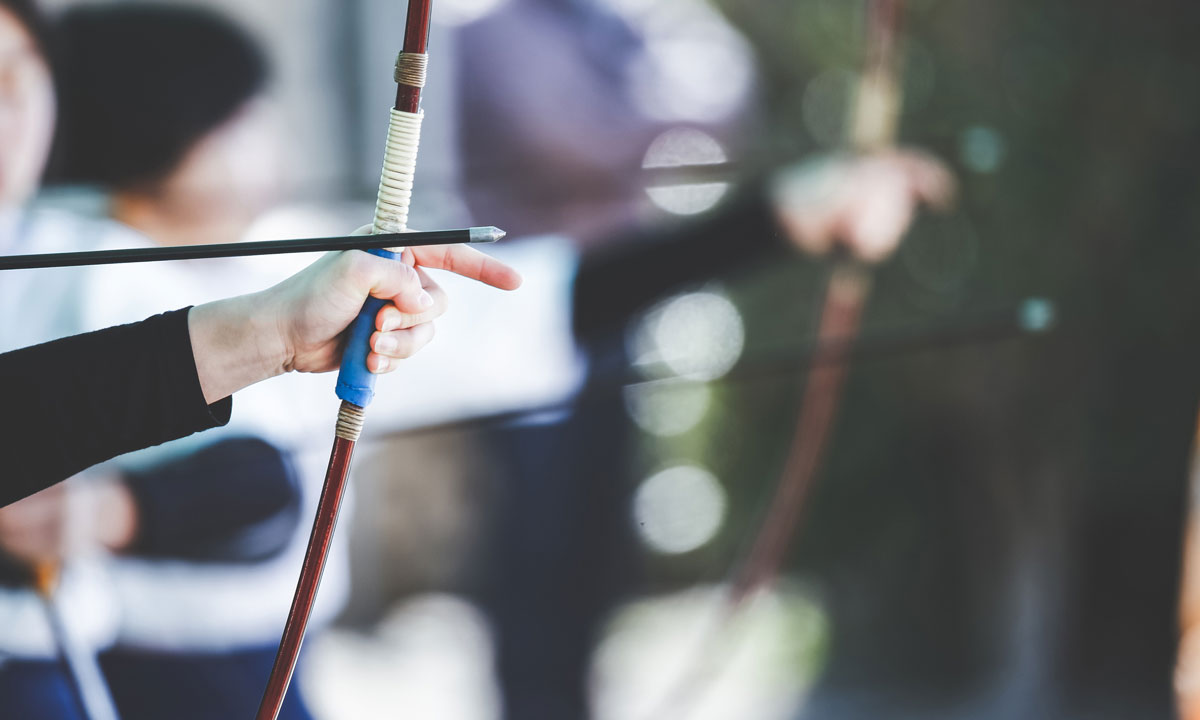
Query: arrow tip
{"points": [[487, 234]]}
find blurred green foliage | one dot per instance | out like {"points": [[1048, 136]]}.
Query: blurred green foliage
{"points": [[1074, 130]]}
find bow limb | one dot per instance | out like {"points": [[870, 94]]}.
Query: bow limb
{"points": [[873, 127], [355, 382], [874, 123]]}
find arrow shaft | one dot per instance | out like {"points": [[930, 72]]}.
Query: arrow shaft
{"points": [[246, 249]]}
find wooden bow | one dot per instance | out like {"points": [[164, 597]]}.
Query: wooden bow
{"points": [[874, 122], [391, 216]]}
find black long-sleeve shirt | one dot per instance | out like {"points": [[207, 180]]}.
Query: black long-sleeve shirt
{"points": [[78, 401], [650, 263]]}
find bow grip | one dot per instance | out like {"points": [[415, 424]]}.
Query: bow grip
{"points": [[355, 383]]}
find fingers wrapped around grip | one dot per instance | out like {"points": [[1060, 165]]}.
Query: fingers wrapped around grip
{"points": [[405, 324], [399, 333], [401, 283], [389, 347], [391, 317]]}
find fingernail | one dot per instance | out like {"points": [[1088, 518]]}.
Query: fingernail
{"points": [[385, 343], [426, 299], [383, 365]]}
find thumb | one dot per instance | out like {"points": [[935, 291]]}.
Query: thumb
{"points": [[391, 280]]}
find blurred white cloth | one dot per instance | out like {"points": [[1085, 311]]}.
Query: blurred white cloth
{"points": [[33, 304], [173, 605], [494, 351]]}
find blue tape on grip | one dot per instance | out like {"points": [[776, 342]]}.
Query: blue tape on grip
{"points": [[355, 382]]}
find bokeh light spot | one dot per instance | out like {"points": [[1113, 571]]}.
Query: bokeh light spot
{"points": [[826, 106], [769, 657], [667, 410], [943, 257], [1037, 315], [981, 149], [461, 12], [698, 335], [694, 67], [684, 146], [679, 509]]}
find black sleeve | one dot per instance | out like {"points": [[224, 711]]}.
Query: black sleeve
{"points": [[633, 271], [237, 500], [75, 402]]}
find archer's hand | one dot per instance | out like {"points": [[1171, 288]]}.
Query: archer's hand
{"points": [[297, 325], [320, 302], [863, 203], [35, 529], [69, 518]]}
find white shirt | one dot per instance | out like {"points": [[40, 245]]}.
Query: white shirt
{"points": [[164, 604], [494, 352]]}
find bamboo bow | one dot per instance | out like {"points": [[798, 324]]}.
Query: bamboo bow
{"points": [[355, 384], [874, 123], [875, 117]]}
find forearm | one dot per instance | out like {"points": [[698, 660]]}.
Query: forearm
{"points": [[656, 262], [81, 400], [235, 344]]}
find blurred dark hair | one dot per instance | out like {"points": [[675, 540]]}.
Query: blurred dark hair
{"points": [[139, 84], [34, 22]]}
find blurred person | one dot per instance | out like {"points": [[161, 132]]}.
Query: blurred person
{"points": [[214, 339], [29, 676], [208, 532], [164, 137], [136, 385], [163, 111], [549, 86], [997, 528], [1187, 668]]}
